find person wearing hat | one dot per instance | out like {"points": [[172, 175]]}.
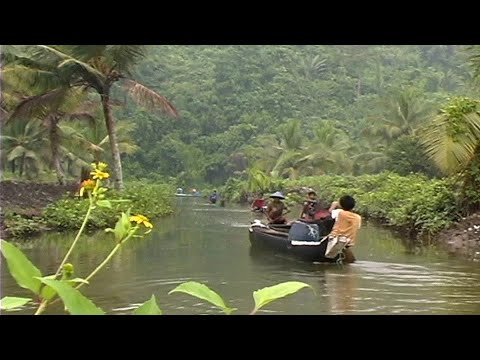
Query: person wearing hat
{"points": [[276, 209]]}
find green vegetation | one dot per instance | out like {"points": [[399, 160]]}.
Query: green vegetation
{"points": [[153, 200]]}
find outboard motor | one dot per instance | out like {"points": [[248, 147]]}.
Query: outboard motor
{"points": [[301, 231]]}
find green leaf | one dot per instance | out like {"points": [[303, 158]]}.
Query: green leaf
{"points": [[74, 301], [22, 270], [203, 292], [150, 307], [126, 221], [48, 293], [120, 231], [266, 295], [104, 203], [8, 302]]}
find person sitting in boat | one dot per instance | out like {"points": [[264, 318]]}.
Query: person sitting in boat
{"points": [[308, 210], [276, 209], [214, 197], [346, 224], [259, 203], [321, 211]]}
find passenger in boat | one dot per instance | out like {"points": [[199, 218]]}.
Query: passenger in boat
{"points": [[321, 211], [276, 209], [214, 197], [308, 210], [259, 203], [347, 223]]}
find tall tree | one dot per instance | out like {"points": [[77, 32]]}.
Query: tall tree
{"points": [[100, 67]]}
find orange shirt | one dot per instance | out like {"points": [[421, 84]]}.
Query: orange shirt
{"points": [[347, 224]]}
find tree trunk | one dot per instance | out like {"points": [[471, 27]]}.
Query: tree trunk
{"points": [[54, 146], [22, 165], [112, 135]]}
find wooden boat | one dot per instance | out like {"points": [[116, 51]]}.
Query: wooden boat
{"points": [[188, 195], [278, 238]]}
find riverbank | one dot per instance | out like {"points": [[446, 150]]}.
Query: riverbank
{"points": [[463, 237], [29, 208]]}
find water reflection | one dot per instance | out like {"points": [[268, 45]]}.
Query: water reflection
{"points": [[342, 288]]}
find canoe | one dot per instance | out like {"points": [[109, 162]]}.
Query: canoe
{"points": [[188, 195], [278, 239]]}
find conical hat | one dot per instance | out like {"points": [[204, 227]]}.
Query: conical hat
{"points": [[278, 195]]}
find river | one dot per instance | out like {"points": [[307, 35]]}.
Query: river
{"points": [[209, 244]]}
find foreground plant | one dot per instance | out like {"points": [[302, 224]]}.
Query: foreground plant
{"points": [[62, 282]]}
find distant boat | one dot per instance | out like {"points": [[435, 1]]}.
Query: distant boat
{"points": [[188, 195]]}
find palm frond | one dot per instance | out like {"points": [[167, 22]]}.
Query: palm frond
{"points": [[30, 80], [16, 152], [85, 52], [149, 98], [40, 105], [124, 56], [93, 76], [67, 63], [474, 59], [452, 151], [82, 116]]}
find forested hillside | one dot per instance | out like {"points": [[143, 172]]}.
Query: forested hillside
{"points": [[284, 111], [293, 110]]}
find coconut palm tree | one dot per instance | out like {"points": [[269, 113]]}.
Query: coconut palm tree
{"points": [[453, 136], [100, 67], [452, 141], [403, 113], [37, 90], [23, 147]]}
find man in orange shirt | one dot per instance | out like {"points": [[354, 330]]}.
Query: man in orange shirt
{"points": [[346, 224]]}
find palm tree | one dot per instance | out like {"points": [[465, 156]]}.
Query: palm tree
{"points": [[100, 67], [23, 146], [452, 141], [328, 151], [403, 111], [453, 137], [40, 91]]}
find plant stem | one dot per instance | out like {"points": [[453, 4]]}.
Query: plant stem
{"points": [[41, 308], [107, 259], [85, 220], [87, 215]]}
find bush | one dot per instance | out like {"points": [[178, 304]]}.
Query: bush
{"points": [[414, 202], [148, 199]]}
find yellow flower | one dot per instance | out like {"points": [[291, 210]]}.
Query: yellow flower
{"points": [[140, 219], [101, 166], [98, 174]]}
